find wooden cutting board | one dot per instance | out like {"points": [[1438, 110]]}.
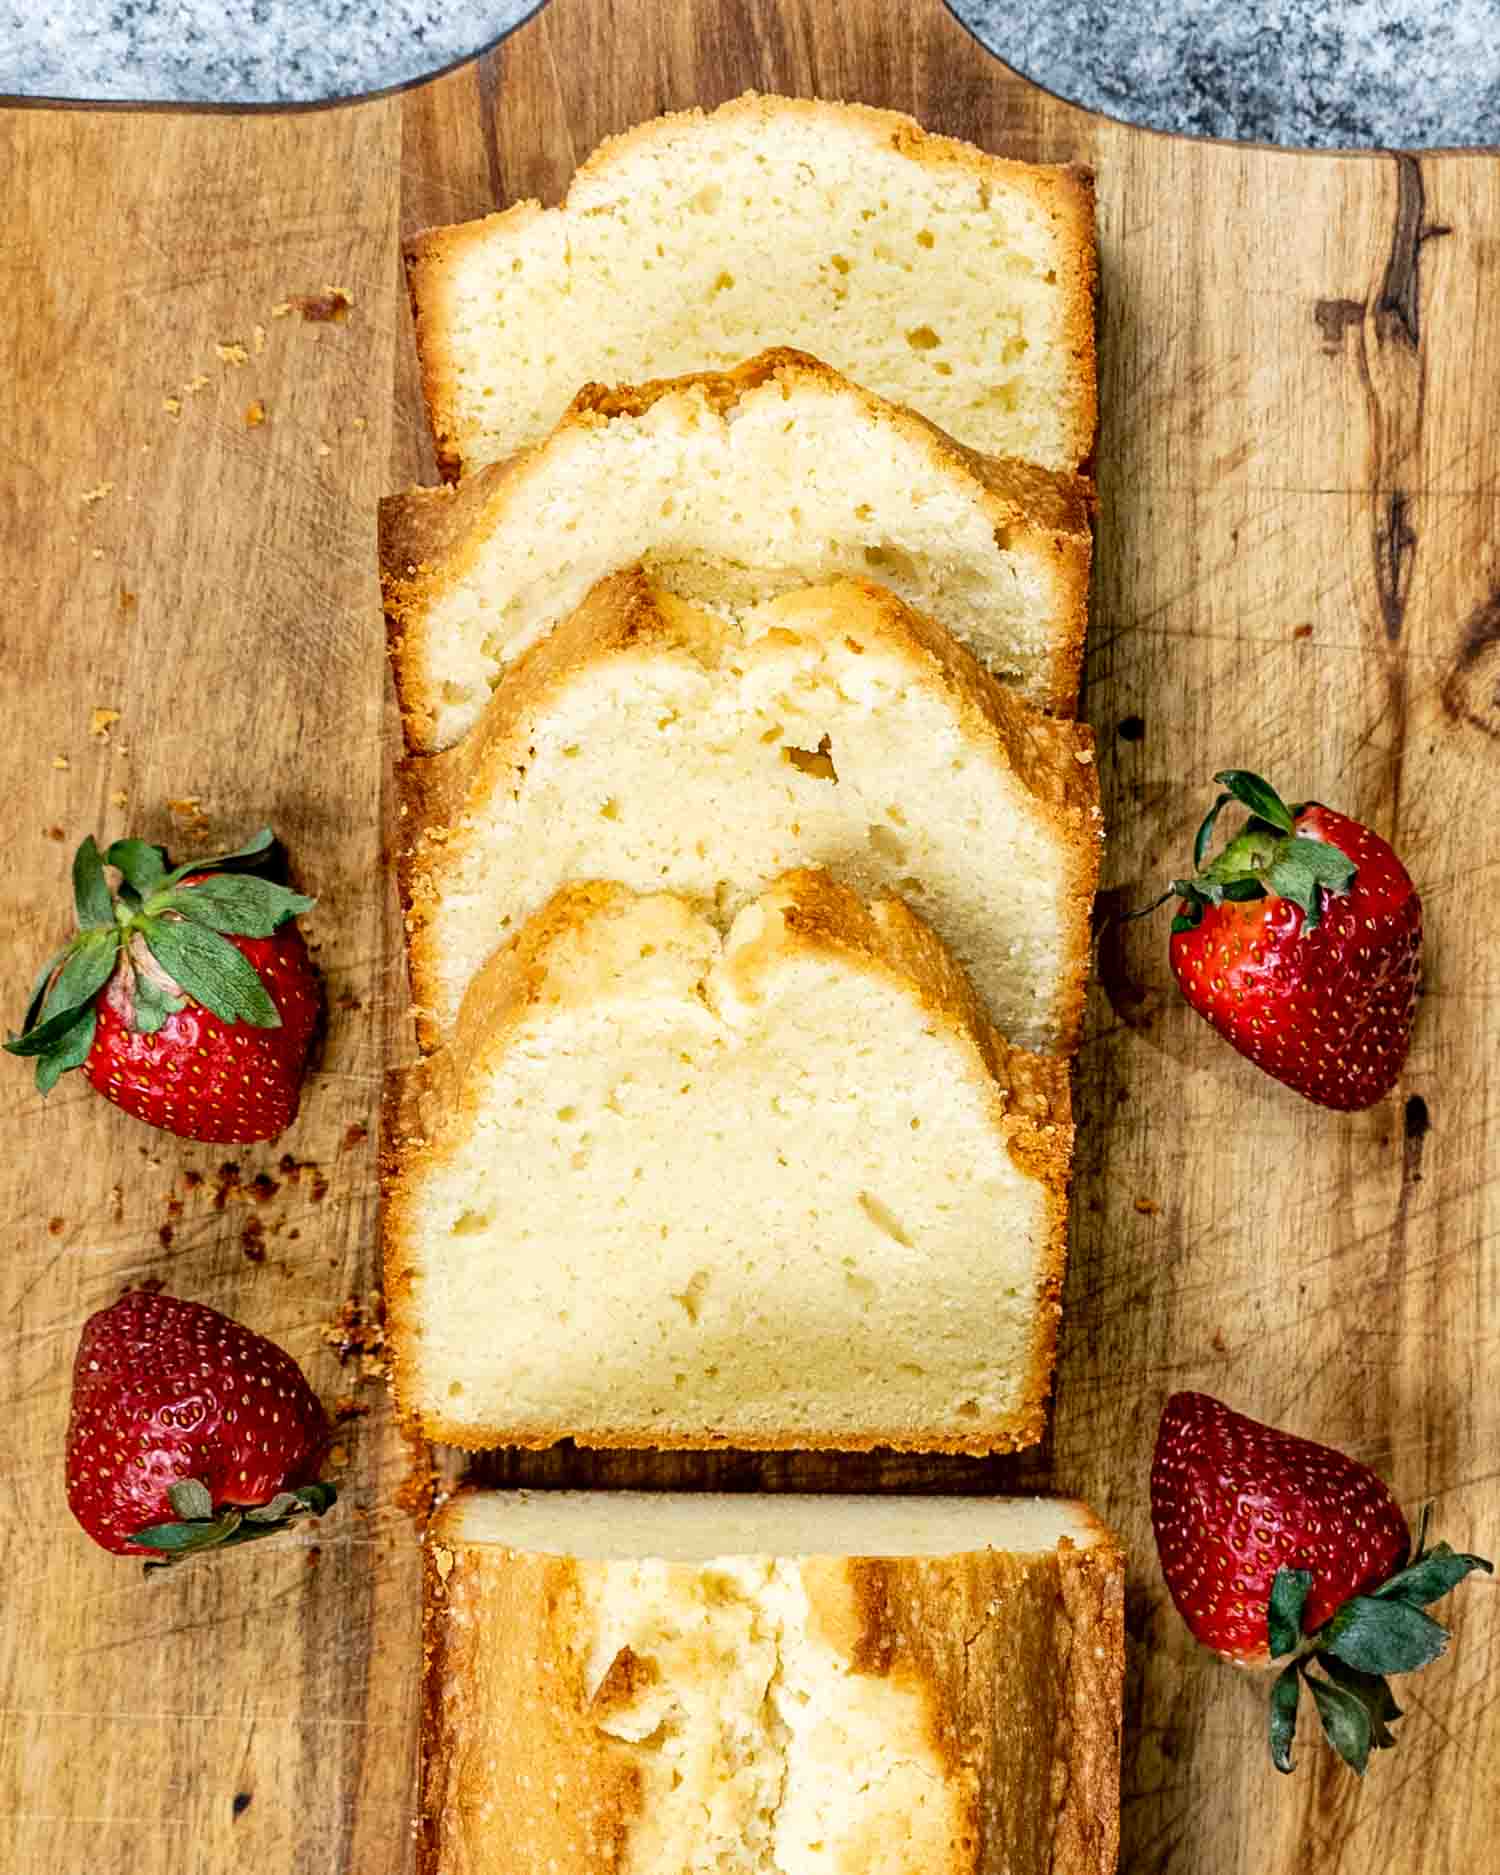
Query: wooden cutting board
{"points": [[1297, 568]]}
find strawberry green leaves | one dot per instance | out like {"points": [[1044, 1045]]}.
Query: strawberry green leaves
{"points": [[211, 971], [1284, 1611], [167, 930], [1346, 1722], [142, 867], [1259, 796], [61, 1029], [91, 895], [198, 1526], [1301, 866], [1383, 1636], [235, 902], [70, 1050], [1286, 1695], [1432, 1575], [1370, 1636], [152, 1004]]}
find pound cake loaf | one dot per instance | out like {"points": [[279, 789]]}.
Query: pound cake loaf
{"points": [[675, 748], [781, 1188], [621, 1683], [732, 488], [949, 279]]}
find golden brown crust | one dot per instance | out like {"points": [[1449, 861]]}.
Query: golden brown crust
{"points": [[433, 1106], [1003, 1648], [1093, 1594], [430, 538], [1052, 758], [1066, 190], [504, 1655]]}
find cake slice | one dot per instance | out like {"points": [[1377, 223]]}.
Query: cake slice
{"points": [[781, 1188], [671, 747], [949, 279], [732, 488], [682, 1684]]}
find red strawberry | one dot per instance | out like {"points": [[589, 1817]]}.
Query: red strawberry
{"points": [[1302, 945], [187, 1431], [189, 999], [1273, 1545]]}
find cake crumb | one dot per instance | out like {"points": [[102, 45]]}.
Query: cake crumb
{"points": [[360, 423], [255, 415], [358, 1328], [324, 450], [100, 719], [172, 406], [442, 1561], [60, 761], [97, 493], [119, 798], [1148, 1207], [197, 383], [96, 553], [332, 303], [1083, 757], [189, 810], [232, 353], [258, 340]]}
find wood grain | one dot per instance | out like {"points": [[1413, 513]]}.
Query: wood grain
{"points": [[1296, 566]]}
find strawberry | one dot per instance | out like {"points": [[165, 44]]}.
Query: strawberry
{"points": [[1302, 944], [188, 1431], [188, 998], [1272, 1545]]}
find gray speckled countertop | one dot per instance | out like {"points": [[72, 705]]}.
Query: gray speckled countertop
{"points": [[1319, 73]]}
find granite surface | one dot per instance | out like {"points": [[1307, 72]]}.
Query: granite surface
{"points": [[239, 51], [1321, 74], [1318, 73]]}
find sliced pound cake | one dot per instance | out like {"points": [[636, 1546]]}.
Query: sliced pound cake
{"points": [[666, 1683], [732, 489], [670, 747], [781, 1188], [949, 279]]}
